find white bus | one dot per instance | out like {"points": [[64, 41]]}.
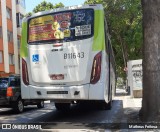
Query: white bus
{"points": [[66, 56]]}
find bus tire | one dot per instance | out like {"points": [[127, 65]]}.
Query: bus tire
{"points": [[62, 106], [109, 105], [106, 106], [103, 105], [40, 104], [18, 106]]}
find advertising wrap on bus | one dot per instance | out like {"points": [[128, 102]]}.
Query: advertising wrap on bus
{"points": [[66, 26], [57, 54]]}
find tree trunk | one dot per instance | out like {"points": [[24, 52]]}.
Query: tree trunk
{"points": [[151, 60]]}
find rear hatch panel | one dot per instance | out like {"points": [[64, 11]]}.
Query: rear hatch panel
{"points": [[60, 46], [71, 65]]}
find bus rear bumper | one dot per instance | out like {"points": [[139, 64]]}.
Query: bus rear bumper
{"points": [[57, 93], [71, 93]]}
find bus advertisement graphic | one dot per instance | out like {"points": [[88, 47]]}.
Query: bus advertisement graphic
{"points": [[62, 26]]}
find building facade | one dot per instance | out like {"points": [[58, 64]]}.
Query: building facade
{"points": [[11, 14]]}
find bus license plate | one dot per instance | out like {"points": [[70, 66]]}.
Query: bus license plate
{"points": [[57, 76]]}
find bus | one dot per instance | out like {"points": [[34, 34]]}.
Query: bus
{"points": [[66, 56]]}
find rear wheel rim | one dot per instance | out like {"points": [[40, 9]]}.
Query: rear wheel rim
{"points": [[20, 106], [42, 103]]}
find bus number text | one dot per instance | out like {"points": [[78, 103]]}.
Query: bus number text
{"points": [[73, 55]]}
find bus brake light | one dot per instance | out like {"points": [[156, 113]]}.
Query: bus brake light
{"points": [[96, 68], [25, 72]]}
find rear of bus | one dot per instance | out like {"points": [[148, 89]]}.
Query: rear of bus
{"points": [[61, 54]]}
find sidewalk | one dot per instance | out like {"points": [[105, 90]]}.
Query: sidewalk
{"points": [[131, 107], [128, 101]]}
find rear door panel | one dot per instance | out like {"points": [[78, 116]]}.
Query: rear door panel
{"points": [[73, 62]]}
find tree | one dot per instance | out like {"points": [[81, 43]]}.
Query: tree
{"points": [[59, 5], [151, 60], [44, 6], [125, 24]]}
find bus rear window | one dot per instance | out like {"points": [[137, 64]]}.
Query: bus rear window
{"points": [[65, 26]]}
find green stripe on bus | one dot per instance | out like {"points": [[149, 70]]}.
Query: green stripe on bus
{"points": [[99, 43], [23, 48]]}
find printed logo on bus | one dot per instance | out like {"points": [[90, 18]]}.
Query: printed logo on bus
{"points": [[35, 58], [64, 24]]}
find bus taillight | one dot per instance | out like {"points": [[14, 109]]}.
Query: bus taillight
{"points": [[96, 68], [25, 72]]}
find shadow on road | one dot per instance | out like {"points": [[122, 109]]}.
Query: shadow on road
{"points": [[86, 116], [132, 114]]}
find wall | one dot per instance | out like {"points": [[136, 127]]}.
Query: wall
{"points": [[135, 77]]}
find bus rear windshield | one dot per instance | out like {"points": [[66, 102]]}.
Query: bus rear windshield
{"points": [[63, 26]]}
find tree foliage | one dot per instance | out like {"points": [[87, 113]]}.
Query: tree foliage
{"points": [[59, 5], [44, 6], [125, 25]]}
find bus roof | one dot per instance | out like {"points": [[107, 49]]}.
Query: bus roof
{"points": [[94, 6]]}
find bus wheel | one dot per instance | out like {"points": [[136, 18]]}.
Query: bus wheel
{"points": [[40, 104], [103, 105], [109, 105], [18, 106], [62, 106], [106, 106]]}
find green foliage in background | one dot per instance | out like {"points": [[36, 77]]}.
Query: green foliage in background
{"points": [[125, 25], [44, 6]]}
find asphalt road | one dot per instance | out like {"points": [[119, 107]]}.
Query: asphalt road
{"points": [[79, 117]]}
